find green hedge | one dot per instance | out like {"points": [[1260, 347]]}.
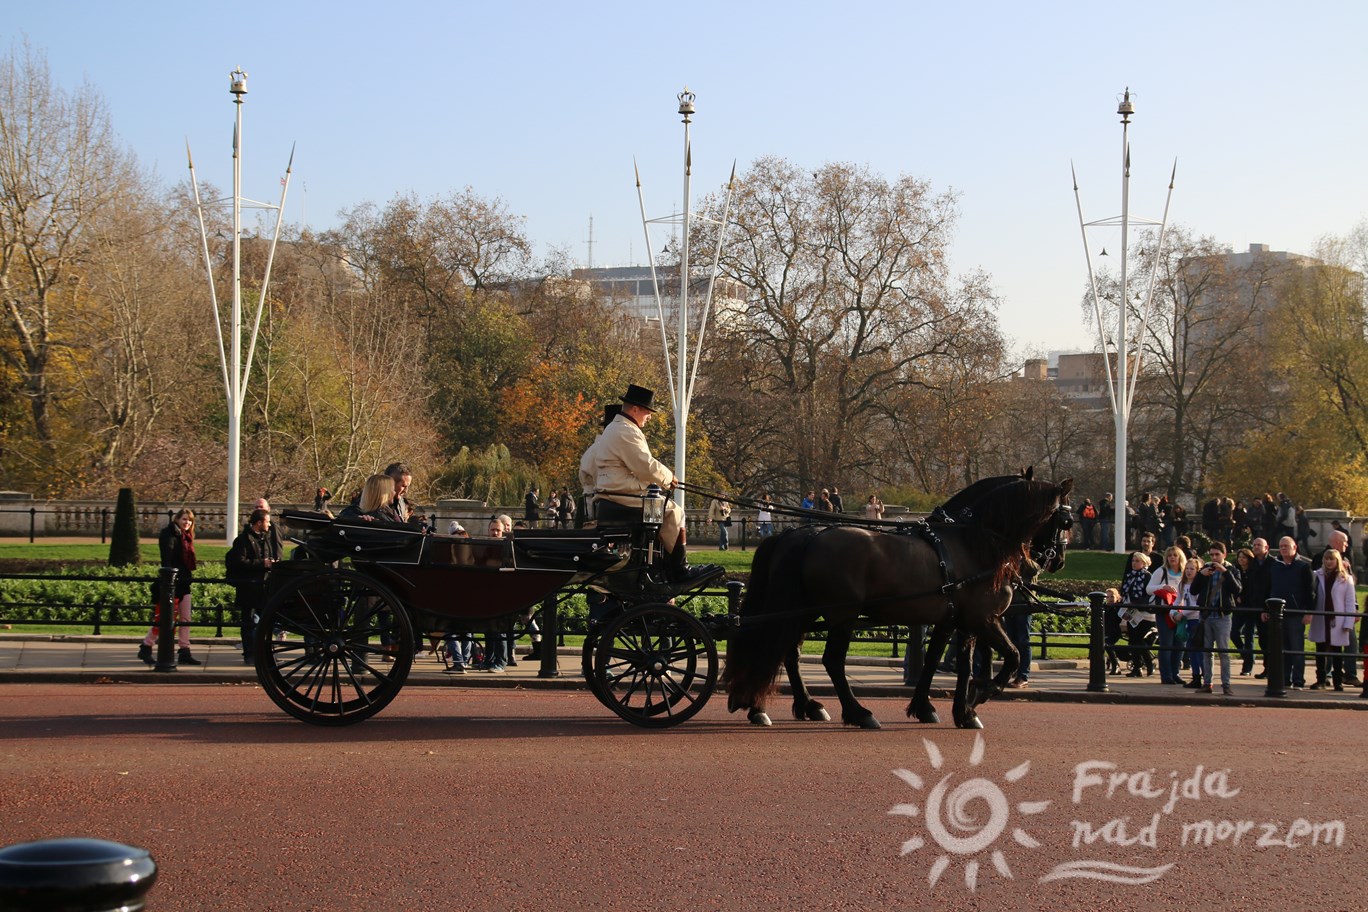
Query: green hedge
{"points": [[72, 600]]}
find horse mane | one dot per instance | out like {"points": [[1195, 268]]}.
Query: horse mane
{"points": [[1013, 508], [960, 506]]}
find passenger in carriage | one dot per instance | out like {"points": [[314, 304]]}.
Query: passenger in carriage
{"points": [[496, 644], [374, 502], [459, 646], [624, 466], [403, 480]]}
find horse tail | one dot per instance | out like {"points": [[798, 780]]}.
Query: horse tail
{"points": [[756, 650]]}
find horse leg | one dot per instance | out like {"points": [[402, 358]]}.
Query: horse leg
{"points": [[833, 659], [804, 707], [921, 707], [965, 717], [996, 636]]}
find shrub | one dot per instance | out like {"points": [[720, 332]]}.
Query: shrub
{"points": [[123, 542]]}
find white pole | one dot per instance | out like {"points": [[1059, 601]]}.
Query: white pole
{"points": [[270, 260], [239, 88], [1092, 283], [209, 269], [1154, 272], [655, 282], [1122, 338], [712, 282], [681, 405]]}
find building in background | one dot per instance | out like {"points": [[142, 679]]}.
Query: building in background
{"points": [[631, 289]]}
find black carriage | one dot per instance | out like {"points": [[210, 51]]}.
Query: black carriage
{"points": [[340, 628]]}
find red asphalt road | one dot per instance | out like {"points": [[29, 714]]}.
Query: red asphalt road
{"points": [[507, 799]]}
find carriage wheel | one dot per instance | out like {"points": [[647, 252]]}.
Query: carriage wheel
{"points": [[591, 640], [318, 649], [655, 666]]}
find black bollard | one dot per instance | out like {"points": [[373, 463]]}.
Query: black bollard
{"points": [[1274, 662], [166, 620], [75, 875], [1097, 642], [550, 622]]}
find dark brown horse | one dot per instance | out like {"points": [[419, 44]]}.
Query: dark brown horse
{"points": [[847, 577], [1047, 552]]}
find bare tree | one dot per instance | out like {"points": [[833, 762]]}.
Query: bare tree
{"points": [[849, 301], [60, 169], [1198, 388], [127, 358]]}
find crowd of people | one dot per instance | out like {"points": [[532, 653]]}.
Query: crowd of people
{"points": [[1270, 517], [1196, 612]]}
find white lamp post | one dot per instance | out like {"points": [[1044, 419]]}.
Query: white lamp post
{"points": [[236, 370], [1121, 380], [677, 370]]}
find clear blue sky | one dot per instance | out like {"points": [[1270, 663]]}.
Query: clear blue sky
{"points": [[545, 104]]}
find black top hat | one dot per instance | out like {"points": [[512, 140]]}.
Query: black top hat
{"points": [[639, 395], [610, 412]]}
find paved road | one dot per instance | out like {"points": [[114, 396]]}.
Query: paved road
{"points": [[514, 799]]}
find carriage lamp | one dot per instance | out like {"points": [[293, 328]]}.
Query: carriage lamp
{"points": [[653, 506]]}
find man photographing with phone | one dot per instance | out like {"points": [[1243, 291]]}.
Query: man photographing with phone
{"points": [[1217, 589]]}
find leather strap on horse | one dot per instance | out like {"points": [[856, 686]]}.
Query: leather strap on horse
{"points": [[819, 516]]}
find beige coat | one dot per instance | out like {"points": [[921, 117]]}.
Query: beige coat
{"points": [[622, 462], [586, 471]]}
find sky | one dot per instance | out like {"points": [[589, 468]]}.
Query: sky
{"points": [[545, 105]]}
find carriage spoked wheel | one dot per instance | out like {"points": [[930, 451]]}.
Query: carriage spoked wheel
{"points": [[654, 666], [591, 640], [318, 647]]}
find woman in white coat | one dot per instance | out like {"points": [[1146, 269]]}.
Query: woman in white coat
{"points": [[1163, 588], [1334, 588]]}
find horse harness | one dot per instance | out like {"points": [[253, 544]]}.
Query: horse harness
{"points": [[1062, 518]]}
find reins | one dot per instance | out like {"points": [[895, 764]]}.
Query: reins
{"points": [[820, 516]]}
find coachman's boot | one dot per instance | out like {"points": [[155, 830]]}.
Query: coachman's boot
{"points": [[678, 571]]}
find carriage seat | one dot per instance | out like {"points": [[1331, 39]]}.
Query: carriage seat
{"points": [[611, 513]]}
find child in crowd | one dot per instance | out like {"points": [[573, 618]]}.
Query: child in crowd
{"points": [[1137, 622]]}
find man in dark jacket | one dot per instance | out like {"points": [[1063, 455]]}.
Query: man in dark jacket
{"points": [[1217, 590], [1106, 518], [255, 551], [1290, 579], [1250, 619], [531, 508]]}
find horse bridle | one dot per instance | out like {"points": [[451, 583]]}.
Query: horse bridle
{"points": [[1062, 520]]}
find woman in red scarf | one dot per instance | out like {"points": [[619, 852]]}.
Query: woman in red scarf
{"points": [[177, 550]]}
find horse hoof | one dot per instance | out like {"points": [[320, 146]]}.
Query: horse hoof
{"points": [[818, 714], [759, 718], [871, 724], [929, 716], [971, 722]]}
